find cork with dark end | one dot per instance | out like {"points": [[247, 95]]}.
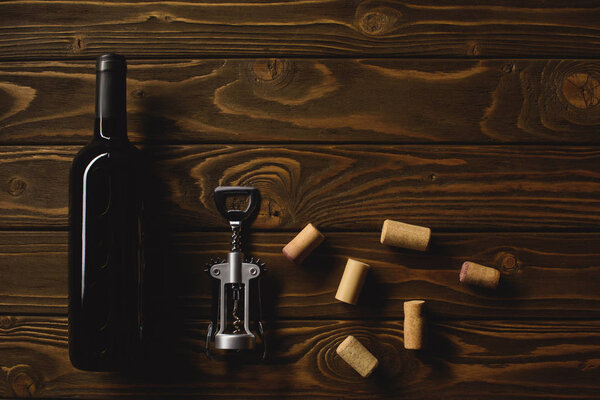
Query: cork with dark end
{"points": [[357, 356], [303, 244], [476, 274], [414, 324], [399, 234], [352, 281]]}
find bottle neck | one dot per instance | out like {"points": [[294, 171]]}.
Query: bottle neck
{"points": [[110, 128], [111, 115]]}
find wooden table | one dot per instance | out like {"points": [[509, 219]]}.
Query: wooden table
{"points": [[481, 121]]}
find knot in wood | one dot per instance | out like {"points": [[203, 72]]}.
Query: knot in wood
{"points": [[139, 93], [7, 322], [473, 49], [374, 22], [158, 17], [268, 69], [589, 365], [273, 209], [21, 380], [16, 186], [507, 261], [268, 75], [508, 68], [379, 21], [581, 90], [77, 45], [270, 213]]}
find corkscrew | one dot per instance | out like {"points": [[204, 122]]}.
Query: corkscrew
{"points": [[236, 284]]}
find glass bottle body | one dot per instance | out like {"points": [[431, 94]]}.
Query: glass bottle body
{"points": [[106, 265]]}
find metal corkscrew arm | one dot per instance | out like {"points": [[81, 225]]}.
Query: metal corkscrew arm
{"points": [[234, 278]]}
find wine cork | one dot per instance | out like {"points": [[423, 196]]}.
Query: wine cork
{"points": [[399, 234], [303, 244], [359, 358], [414, 324], [476, 274], [352, 281]]}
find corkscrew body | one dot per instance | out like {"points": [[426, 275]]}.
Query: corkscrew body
{"points": [[237, 284]]}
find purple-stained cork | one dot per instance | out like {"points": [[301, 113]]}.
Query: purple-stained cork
{"points": [[463, 271], [476, 274]]}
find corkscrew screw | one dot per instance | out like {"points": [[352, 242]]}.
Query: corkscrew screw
{"points": [[236, 283]]}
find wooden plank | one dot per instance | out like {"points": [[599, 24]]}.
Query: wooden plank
{"points": [[299, 100], [543, 275], [492, 359], [35, 185], [466, 28], [34, 272], [337, 187]]}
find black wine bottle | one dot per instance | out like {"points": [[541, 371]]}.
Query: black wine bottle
{"points": [[105, 234]]}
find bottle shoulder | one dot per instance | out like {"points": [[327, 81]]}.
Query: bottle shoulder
{"points": [[105, 153], [98, 147]]}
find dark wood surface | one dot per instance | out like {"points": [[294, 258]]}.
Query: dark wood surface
{"points": [[553, 275], [337, 187], [308, 100], [465, 28], [481, 121], [468, 359]]}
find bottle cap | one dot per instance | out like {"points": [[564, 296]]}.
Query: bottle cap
{"points": [[111, 62]]}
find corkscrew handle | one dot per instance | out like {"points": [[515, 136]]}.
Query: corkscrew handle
{"points": [[221, 194]]}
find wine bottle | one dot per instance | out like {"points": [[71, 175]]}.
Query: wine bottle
{"points": [[105, 234]]}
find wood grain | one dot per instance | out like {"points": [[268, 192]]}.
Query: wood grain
{"points": [[490, 138], [299, 100], [336, 187], [34, 272], [467, 28], [543, 275], [492, 359]]}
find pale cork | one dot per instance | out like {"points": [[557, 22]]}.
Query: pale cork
{"points": [[414, 324], [352, 281], [399, 234], [479, 275], [359, 358], [303, 244]]}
